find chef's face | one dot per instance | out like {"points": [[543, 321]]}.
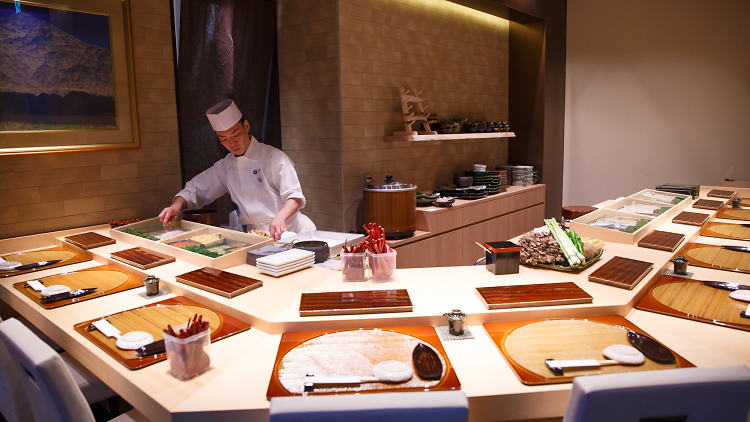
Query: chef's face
{"points": [[236, 139]]}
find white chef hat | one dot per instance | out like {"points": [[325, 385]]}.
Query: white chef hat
{"points": [[224, 115]]}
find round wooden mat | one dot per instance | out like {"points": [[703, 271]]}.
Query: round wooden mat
{"points": [[735, 231], [104, 280], [38, 256], [735, 213], [720, 257], [699, 300]]}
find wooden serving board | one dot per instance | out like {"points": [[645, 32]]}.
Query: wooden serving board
{"points": [[736, 213], [547, 294], [713, 256], [621, 272], [708, 204], [105, 278], [727, 231], [526, 344], [142, 258], [718, 193], [361, 302], [354, 353], [65, 255], [220, 282], [691, 299], [89, 240], [154, 318], [690, 218], [663, 241]]}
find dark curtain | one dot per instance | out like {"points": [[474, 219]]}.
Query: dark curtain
{"points": [[227, 50]]}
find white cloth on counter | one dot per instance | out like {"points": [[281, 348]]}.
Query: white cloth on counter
{"points": [[259, 182]]}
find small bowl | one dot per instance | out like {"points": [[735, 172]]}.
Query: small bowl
{"points": [[321, 249], [133, 340], [462, 181], [448, 203], [424, 202]]}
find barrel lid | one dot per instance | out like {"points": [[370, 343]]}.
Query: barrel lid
{"points": [[390, 185]]}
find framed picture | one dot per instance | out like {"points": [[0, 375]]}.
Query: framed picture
{"points": [[66, 76]]}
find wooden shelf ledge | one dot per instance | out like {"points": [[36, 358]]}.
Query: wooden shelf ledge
{"points": [[449, 137]]}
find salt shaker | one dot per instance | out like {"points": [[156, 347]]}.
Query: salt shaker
{"points": [[680, 265], [456, 320], [152, 285]]}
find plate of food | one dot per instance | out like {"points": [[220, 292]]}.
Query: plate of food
{"points": [[552, 248]]}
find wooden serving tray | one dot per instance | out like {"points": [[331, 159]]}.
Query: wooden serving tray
{"points": [[713, 256], [142, 258], [89, 240], [526, 344], [361, 302], [65, 255], [523, 296], [354, 353], [708, 204], [621, 272], [727, 231], [220, 282], [718, 193], [153, 318], [691, 299], [105, 278], [735, 213], [663, 241], [690, 218]]}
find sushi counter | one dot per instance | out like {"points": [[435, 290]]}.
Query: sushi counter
{"points": [[275, 324]]}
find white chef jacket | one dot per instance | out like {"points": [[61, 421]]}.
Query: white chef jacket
{"points": [[259, 182]]}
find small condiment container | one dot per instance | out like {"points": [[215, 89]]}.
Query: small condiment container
{"points": [[737, 202], [456, 320], [502, 257], [188, 357], [152, 285], [680, 265]]}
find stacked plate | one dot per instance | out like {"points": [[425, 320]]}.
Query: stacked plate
{"points": [[480, 167], [522, 175], [495, 182], [285, 262], [472, 192], [504, 180]]}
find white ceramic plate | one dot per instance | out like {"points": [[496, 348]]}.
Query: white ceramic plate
{"points": [[287, 257], [9, 265], [284, 272], [393, 371], [134, 340], [286, 266], [54, 289], [624, 354], [743, 295]]}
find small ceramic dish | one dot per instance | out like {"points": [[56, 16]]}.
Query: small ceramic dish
{"points": [[624, 354], [446, 203], [9, 265], [393, 371], [133, 340], [54, 290], [743, 295]]}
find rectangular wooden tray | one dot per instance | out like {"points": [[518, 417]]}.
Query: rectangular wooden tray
{"points": [[691, 218], [153, 318], [727, 231], [367, 344], [528, 295], [142, 258], [663, 241], [89, 240], [716, 257], [65, 255], [566, 338], [113, 281], [621, 272], [360, 302], [718, 193], [219, 282], [708, 204]]}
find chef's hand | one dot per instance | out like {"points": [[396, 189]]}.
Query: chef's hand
{"points": [[277, 228], [169, 214]]}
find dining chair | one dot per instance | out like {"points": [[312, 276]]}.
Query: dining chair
{"points": [[435, 406], [50, 386], [670, 395]]}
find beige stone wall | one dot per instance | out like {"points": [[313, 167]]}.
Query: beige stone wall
{"points": [[47, 192]]}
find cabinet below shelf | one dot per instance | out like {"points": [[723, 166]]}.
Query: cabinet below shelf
{"points": [[449, 136]]}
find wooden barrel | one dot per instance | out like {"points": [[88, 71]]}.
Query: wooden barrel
{"points": [[574, 211], [395, 211]]}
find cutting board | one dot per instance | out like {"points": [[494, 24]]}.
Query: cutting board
{"points": [[734, 213], [663, 241], [361, 302], [708, 204], [106, 279], [89, 240], [526, 344], [691, 299], [153, 318], [354, 353], [690, 218], [142, 258], [713, 256], [621, 272], [220, 282], [524, 296], [65, 255], [718, 193], [726, 231]]}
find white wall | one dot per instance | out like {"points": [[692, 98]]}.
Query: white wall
{"points": [[656, 92]]}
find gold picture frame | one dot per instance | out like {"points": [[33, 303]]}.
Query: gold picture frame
{"points": [[122, 130]]}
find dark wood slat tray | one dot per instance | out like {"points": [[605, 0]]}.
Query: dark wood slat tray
{"points": [[708, 204], [107, 279], [523, 296], [727, 231], [691, 218], [735, 213], [716, 257], [89, 240], [153, 318], [526, 344], [219, 282], [142, 258], [65, 255], [663, 241], [360, 302], [621, 272], [718, 193], [354, 353], [691, 299]]}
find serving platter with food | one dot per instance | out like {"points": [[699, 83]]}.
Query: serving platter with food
{"points": [[552, 248]]}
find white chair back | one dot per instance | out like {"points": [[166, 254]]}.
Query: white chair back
{"points": [[687, 394], [14, 405]]}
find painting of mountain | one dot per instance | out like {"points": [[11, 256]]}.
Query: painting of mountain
{"points": [[55, 70]]}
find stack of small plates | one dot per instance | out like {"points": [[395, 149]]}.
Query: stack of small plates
{"points": [[522, 175], [285, 262], [504, 182], [495, 183], [480, 167]]}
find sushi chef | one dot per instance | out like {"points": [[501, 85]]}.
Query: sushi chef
{"points": [[260, 179]]}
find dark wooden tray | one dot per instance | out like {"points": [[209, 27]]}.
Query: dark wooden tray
{"points": [[714, 256], [735, 213], [353, 353], [708, 204], [727, 231], [153, 318], [65, 255], [691, 218], [105, 278], [219, 282], [89, 240], [526, 344], [718, 193], [621, 272], [691, 299], [361, 302], [142, 258], [523, 296], [663, 241]]}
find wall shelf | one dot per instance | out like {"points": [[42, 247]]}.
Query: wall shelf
{"points": [[449, 136]]}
